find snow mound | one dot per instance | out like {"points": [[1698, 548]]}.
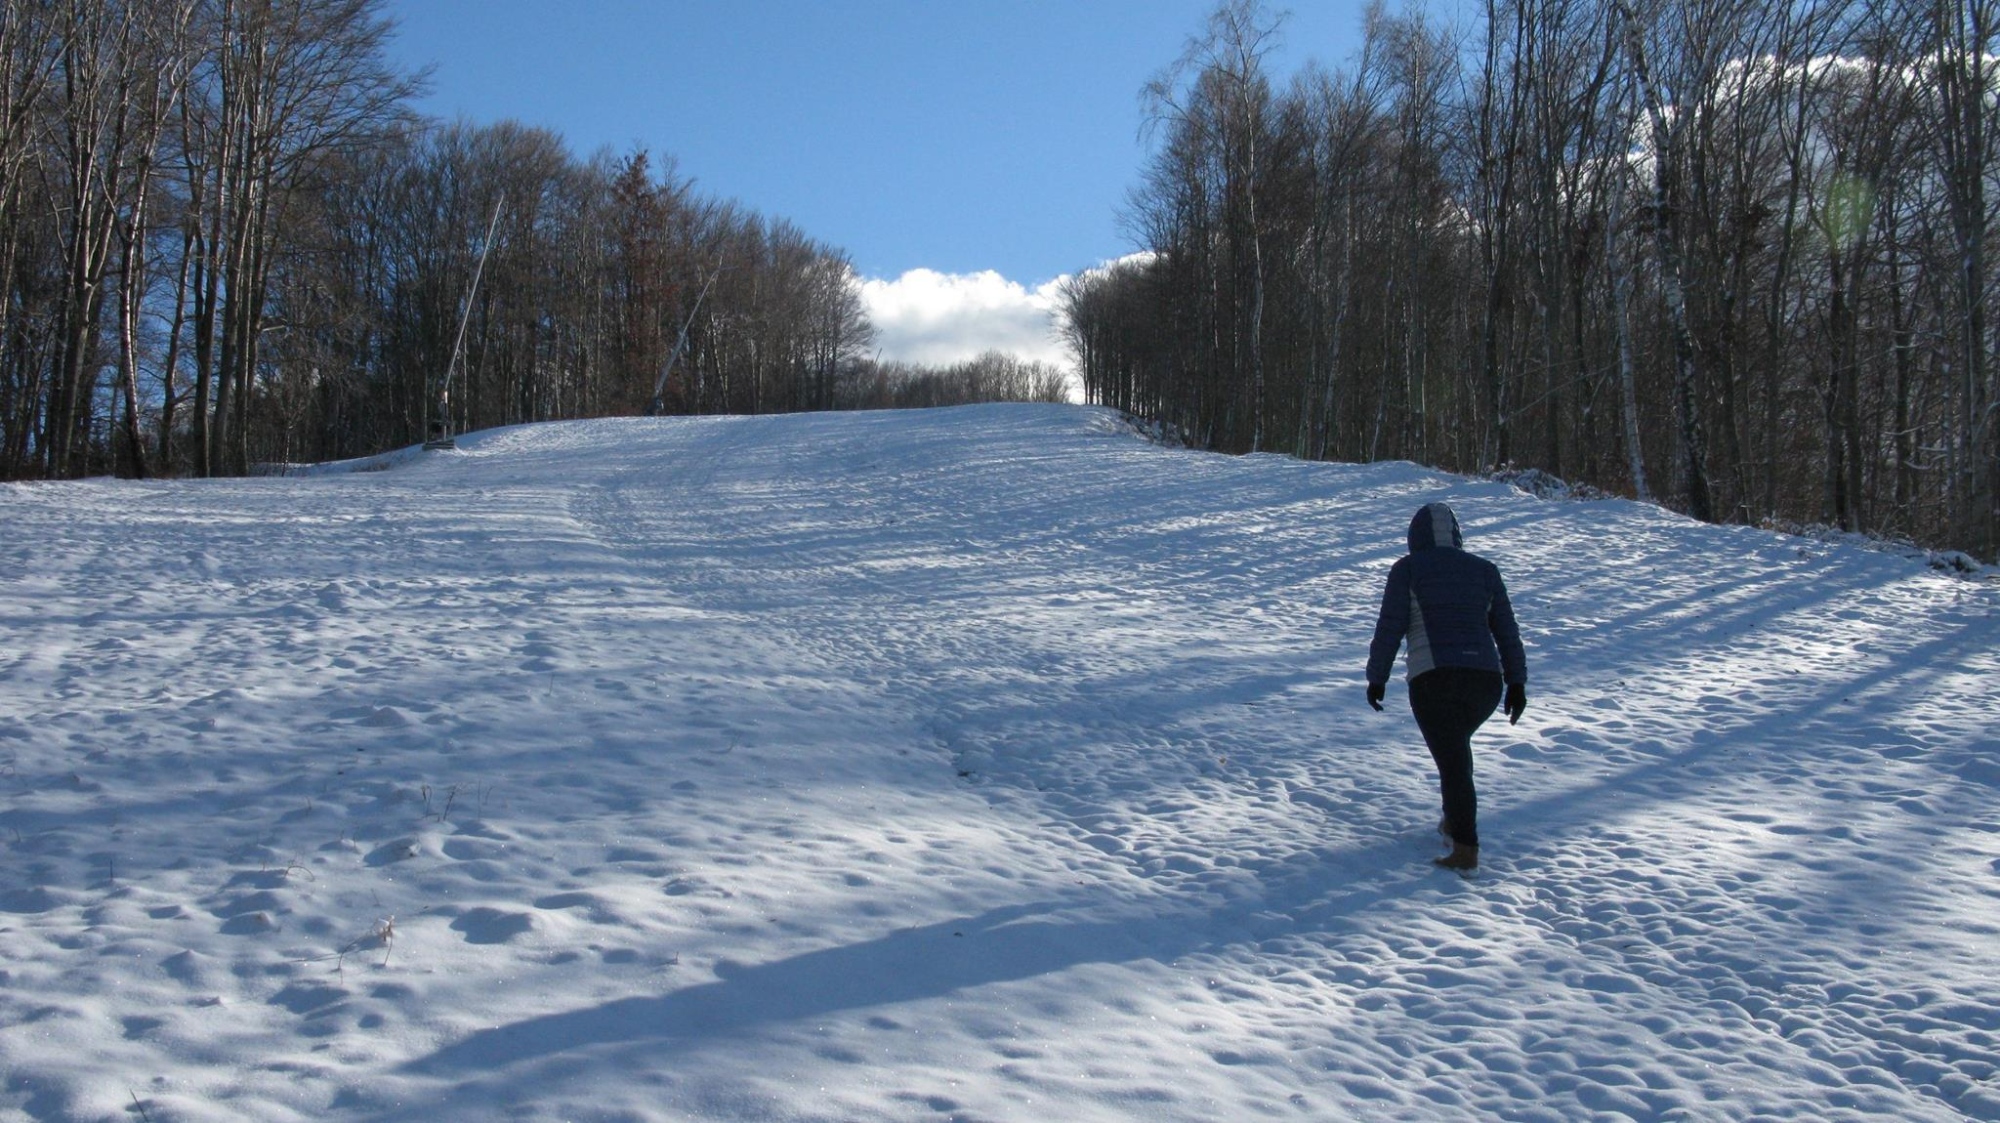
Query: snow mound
{"points": [[1954, 562], [1542, 485]]}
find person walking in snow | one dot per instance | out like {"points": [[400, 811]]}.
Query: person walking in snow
{"points": [[1465, 650]]}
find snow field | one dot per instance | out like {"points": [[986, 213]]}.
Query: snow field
{"points": [[980, 764]]}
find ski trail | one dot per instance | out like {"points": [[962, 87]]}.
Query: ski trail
{"points": [[973, 764]]}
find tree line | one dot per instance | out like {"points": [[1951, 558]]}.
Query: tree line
{"points": [[227, 240], [1730, 254]]}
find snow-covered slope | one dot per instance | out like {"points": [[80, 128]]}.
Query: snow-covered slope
{"points": [[985, 764]]}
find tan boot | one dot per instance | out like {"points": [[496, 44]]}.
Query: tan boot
{"points": [[1462, 857]]}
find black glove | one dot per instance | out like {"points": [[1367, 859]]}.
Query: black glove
{"points": [[1375, 692], [1517, 701]]}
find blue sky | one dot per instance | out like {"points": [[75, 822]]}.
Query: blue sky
{"points": [[965, 153]]}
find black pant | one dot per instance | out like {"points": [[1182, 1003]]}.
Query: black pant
{"points": [[1451, 703]]}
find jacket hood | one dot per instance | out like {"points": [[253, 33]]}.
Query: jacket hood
{"points": [[1435, 525]]}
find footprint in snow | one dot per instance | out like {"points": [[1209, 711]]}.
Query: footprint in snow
{"points": [[693, 886], [139, 1026], [388, 853], [491, 926], [250, 924], [28, 902], [1316, 799], [373, 717], [308, 998]]}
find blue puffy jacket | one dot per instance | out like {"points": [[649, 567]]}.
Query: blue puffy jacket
{"points": [[1451, 604]]}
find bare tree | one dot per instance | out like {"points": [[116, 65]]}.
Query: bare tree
{"points": [[1815, 211], [30, 50], [1217, 101], [290, 84], [163, 63], [1667, 206], [1962, 76]]}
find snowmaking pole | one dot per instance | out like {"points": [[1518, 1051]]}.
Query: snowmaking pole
{"points": [[658, 405], [440, 426]]}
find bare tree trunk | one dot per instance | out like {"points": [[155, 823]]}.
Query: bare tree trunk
{"points": [[1666, 239], [128, 344], [170, 393], [162, 66], [1330, 432], [1627, 386], [1497, 168], [99, 68], [1963, 74], [1964, 30], [1256, 323], [29, 53], [1842, 498], [208, 153], [1903, 340], [1621, 322]]}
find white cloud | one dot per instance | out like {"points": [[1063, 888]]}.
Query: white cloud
{"points": [[937, 318]]}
